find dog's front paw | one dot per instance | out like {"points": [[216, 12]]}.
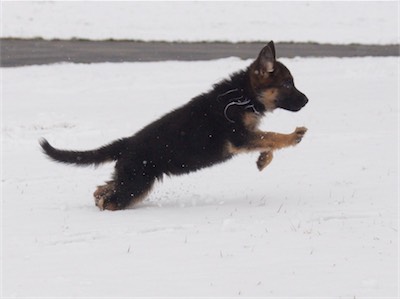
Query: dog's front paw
{"points": [[298, 134], [264, 159]]}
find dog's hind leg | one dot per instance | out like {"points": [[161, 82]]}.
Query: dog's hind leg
{"points": [[103, 192], [119, 194]]}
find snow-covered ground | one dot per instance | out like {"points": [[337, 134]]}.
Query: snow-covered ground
{"points": [[374, 22], [321, 220]]}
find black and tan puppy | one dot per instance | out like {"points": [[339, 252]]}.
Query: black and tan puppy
{"points": [[210, 129]]}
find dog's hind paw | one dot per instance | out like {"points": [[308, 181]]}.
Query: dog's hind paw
{"points": [[102, 195], [99, 202], [103, 203]]}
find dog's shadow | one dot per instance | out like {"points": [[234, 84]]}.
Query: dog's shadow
{"points": [[201, 202]]}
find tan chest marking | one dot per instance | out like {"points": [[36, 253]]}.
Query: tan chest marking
{"points": [[269, 98], [251, 121]]}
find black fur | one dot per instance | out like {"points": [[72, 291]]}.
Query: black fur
{"points": [[106, 153], [187, 139]]}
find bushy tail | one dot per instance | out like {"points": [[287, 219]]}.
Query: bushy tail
{"points": [[107, 153]]}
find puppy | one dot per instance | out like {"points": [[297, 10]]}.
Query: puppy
{"points": [[209, 129]]}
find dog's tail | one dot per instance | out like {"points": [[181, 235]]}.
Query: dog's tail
{"points": [[107, 153]]}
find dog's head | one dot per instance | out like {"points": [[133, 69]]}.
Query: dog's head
{"points": [[273, 84]]}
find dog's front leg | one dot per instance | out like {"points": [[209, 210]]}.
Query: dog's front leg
{"points": [[273, 141], [264, 159]]}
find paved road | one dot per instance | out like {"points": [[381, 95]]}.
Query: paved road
{"points": [[16, 52]]}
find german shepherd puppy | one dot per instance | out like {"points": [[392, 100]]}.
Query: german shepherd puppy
{"points": [[209, 129]]}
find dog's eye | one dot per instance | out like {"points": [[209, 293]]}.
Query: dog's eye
{"points": [[287, 84]]}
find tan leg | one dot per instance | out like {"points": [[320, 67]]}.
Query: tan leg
{"points": [[264, 159], [266, 143], [274, 141], [270, 141], [101, 195], [110, 197]]}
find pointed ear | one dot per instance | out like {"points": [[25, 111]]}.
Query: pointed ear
{"points": [[266, 59], [271, 45]]}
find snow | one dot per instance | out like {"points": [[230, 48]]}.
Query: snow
{"points": [[321, 220], [343, 22]]}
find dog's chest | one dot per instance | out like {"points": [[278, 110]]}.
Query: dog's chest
{"points": [[251, 121]]}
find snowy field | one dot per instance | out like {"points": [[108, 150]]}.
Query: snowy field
{"points": [[325, 22], [321, 220]]}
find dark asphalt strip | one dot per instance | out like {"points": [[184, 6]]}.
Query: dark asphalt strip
{"points": [[21, 52]]}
